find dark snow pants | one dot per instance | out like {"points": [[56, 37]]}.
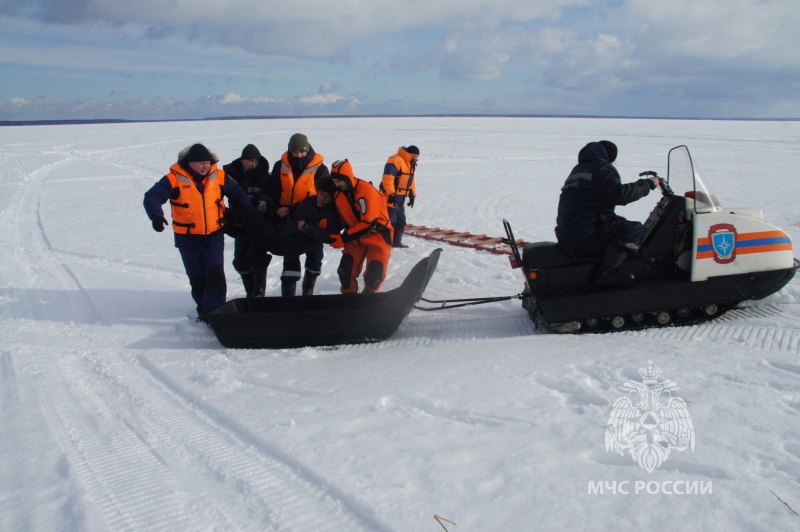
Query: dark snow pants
{"points": [[203, 257]]}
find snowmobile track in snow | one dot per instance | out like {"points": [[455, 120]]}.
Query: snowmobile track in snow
{"points": [[125, 454], [730, 329]]}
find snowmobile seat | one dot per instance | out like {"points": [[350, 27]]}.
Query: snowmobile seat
{"points": [[543, 255]]}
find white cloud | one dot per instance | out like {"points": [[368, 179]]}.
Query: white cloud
{"points": [[758, 31], [327, 28], [321, 99], [18, 102], [389, 53], [233, 98]]}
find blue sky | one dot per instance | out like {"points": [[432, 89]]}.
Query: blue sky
{"points": [[177, 59]]}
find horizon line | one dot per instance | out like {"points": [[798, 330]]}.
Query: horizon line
{"points": [[78, 121]]}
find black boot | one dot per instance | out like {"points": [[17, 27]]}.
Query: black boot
{"points": [[259, 282], [288, 287], [248, 282], [608, 268], [309, 280]]}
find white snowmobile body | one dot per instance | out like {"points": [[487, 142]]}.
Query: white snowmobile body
{"points": [[725, 241]]}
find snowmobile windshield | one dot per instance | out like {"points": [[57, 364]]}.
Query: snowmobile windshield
{"points": [[682, 174]]}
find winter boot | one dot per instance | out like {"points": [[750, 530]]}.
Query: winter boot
{"points": [[608, 269], [288, 287], [309, 280], [248, 281], [259, 282]]}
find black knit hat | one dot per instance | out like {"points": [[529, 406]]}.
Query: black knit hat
{"points": [[325, 184], [413, 149], [611, 150], [251, 152], [199, 154]]}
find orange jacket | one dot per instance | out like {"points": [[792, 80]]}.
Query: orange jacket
{"points": [[362, 208], [398, 175], [295, 189], [193, 212]]}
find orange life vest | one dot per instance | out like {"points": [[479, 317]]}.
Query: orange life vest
{"points": [[403, 183], [195, 213], [295, 189], [363, 208]]}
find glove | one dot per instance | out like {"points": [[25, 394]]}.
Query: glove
{"points": [[393, 199], [337, 243], [159, 222], [652, 183], [411, 201]]}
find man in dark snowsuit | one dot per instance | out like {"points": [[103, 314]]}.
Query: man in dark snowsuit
{"points": [[308, 225], [586, 223], [251, 171]]}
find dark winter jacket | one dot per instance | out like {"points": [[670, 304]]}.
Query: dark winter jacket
{"points": [[590, 194], [280, 236], [255, 182]]}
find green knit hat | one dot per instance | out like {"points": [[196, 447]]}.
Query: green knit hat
{"points": [[299, 142]]}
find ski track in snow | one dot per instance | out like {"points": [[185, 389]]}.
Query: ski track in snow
{"points": [[124, 453]]}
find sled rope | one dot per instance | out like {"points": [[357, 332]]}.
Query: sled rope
{"points": [[445, 303], [461, 238]]}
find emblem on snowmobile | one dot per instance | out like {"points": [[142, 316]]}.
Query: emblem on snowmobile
{"points": [[723, 242], [648, 425]]}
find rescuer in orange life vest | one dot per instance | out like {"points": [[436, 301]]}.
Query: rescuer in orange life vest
{"points": [[294, 178], [368, 231], [398, 185], [194, 188]]}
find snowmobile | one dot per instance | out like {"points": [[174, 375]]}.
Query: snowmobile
{"points": [[697, 261], [319, 320]]}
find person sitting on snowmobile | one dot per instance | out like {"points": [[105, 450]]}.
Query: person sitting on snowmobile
{"points": [[586, 223]]}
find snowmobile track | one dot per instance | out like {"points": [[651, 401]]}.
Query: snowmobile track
{"points": [[125, 454]]}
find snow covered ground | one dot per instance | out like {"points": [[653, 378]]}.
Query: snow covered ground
{"points": [[118, 413]]}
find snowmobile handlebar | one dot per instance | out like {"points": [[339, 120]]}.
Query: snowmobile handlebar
{"points": [[662, 183]]}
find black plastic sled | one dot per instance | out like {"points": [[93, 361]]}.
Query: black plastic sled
{"points": [[307, 321]]}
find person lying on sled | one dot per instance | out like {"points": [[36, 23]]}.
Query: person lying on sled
{"points": [[310, 222]]}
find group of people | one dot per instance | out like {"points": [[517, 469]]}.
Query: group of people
{"points": [[293, 210], [301, 205]]}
